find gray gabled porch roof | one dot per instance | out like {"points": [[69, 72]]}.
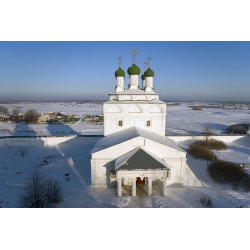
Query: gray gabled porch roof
{"points": [[139, 159]]}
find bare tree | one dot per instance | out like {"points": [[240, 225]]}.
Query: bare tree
{"points": [[23, 151], [53, 191], [15, 114], [31, 115], [40, 192], [34, 190], [207, 132], [3, 110]]}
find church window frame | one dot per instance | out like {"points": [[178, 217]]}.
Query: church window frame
{"points": [[120, 123], [148, 123]]}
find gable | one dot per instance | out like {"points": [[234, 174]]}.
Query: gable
{"points": [[139, 159]]}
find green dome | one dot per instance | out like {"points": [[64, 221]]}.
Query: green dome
{"points": [[119, 72], [143, 77], [134, 70], [149, 72]]}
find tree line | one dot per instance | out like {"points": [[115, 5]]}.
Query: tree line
{"points": [[30, 116]]}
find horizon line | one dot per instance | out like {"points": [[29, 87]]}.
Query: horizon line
{"points": [[99, 100]]}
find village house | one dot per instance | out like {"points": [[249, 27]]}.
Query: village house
{"points": [[44, 118], [91, 118], [50, 113], [63, 116], [4, 118]]}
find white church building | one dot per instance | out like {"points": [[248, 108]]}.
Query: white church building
{"points": [[134, 149]]}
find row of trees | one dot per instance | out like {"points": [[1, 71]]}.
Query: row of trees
{"points": [[30, 115]]}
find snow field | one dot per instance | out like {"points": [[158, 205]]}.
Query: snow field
{"points": [[71, 155]]}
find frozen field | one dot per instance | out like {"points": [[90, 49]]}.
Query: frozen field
{"points": [[181, 119], [72, 156]]}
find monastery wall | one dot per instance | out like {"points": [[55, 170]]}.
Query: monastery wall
{"points": [[54, 140], [224, 138], [47, 141]]}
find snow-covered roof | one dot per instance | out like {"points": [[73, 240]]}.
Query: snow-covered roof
{"points": [[128, 134], [46, 116]]}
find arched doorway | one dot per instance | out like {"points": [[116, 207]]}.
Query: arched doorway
{"points": [[140, 181]]}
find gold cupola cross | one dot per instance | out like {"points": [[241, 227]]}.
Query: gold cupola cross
{"points": [[146, 64], [149, 61], [120, 62], [133, 52]]}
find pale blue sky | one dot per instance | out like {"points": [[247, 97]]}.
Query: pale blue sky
{"points": [[206, 71]]}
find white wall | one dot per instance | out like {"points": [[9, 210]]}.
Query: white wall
{"points": [[119, 84], [149, 83], [100, 172], [225, 138], [47, 141], [134, 81]]}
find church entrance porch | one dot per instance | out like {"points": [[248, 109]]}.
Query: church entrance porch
{"points": [[141, 190], [144, 182]]}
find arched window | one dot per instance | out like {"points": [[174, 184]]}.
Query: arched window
{"points": [[148, 123], [120, 123]]}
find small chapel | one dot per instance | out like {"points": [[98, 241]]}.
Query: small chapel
{"points": [[135, 149]]}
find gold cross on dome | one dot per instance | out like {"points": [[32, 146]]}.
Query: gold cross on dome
{"points": [[149, 61], [146, 64], [134, 52], [119, 61]]}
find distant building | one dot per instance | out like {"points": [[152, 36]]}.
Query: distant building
{"points": [[44, 118], [91, 118], [4, 118]]}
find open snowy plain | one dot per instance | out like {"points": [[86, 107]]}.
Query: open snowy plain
{"points": [[71, 154]]}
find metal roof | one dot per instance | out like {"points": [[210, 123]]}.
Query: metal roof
{"points": [[140, 159]]}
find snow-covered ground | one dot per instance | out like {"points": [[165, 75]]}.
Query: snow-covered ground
{"points": [[72, 156]]}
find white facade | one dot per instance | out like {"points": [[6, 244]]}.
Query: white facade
{"points": [[103, 161], [149, 115]]}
